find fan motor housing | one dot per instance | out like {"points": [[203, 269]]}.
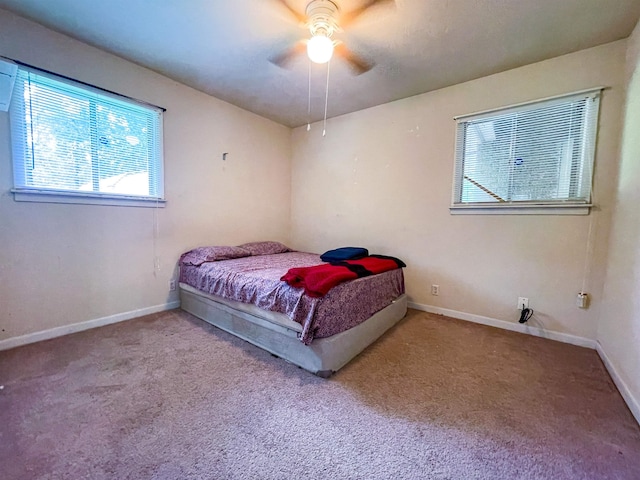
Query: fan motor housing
{"points": [[322, 16]]}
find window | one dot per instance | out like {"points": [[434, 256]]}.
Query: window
{"points": [[532, 156], [73, 143]]}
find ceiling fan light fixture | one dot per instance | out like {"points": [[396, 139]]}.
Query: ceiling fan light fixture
{"points": [[320, 49]]}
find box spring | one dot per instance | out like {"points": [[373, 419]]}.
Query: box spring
{"points": [[277, 334]]}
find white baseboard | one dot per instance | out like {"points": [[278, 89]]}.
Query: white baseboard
{"points": [[79, 327], [632, 403], [515, 327]]}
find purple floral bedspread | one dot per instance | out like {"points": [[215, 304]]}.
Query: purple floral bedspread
{"points": [[256, 280]]}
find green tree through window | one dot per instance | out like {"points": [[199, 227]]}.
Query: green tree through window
{"points": [[71, 138]]}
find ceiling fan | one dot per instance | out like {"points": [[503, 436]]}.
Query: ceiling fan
{"points": [[323, 18]]}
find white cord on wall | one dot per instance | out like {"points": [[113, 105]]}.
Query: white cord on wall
{"points": [[588, 254], [156, 259]]}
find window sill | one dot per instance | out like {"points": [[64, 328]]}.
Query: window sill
{"points": [[525, 209], [44, 196]]}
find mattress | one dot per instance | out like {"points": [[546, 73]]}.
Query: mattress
{"points": [[256, 281], [274, 318]]}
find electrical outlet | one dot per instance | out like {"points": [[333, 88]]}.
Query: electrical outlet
{"points": [[523, 302], [435, 289], [172, 285], [582, 300]]}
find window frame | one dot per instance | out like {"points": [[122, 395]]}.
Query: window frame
{"points": [[22, 193], [552, 207]]}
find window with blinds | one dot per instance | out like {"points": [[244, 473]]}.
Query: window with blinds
{"points": [[536, 154], [73, 140]]}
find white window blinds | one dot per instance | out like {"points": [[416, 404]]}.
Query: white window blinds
{"points": [[538, 153], [69, 138]]}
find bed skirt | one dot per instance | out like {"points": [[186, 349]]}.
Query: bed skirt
{"points": [[277, 334]]}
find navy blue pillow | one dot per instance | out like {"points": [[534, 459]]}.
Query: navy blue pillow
{"points": [[344, 253]]}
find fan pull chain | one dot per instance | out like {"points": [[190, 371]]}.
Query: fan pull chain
{"points": [[326, 101], [309, 101]]}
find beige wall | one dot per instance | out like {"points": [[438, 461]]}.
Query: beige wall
{"points": [[619, 326], [381, 178], [62, 264]]}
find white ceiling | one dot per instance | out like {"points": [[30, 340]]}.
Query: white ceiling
{"points": [[222, 47]]}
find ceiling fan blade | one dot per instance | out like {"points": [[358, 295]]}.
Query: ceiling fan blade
{"points": [[349, 17], [298, 16], [358, 64], [284, 59]]}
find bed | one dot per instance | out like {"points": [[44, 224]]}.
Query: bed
{"points": [[244, 295]]}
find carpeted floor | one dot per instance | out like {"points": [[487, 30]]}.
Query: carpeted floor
{"points": [[169, 397]]}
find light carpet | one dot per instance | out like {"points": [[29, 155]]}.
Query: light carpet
{"points": [[167, 396]]}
